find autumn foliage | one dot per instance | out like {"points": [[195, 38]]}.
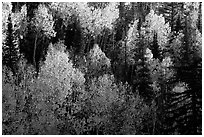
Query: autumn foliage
{"points": [[101, 68]]}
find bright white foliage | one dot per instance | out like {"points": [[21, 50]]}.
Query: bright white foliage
{"points": [[192, 9], [148, 54], [92, 20], [180, 87], [161, 70], [105, 17], [44, 21], [157, 24], [19, 22], [6, 10], [19, 19], [59, 74], [166, 62], [105, 91], [132, 33], [98, 58], [128, 51]]}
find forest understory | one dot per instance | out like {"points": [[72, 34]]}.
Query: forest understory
{"points": [[102, 68]]}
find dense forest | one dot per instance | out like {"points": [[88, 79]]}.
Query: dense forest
{"points": [[102, 68]]}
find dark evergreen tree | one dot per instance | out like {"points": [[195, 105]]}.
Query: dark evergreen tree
{"points": [[155, 47], [190, 72], [10, 49], [142, 79], [185, 108], [178, 25], [77, 93], [173, 11]]}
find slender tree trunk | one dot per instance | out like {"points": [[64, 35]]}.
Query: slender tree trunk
{"points": [[34, 51], [125, 54]]}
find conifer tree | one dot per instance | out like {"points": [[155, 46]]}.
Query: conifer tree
{"points": [[186, 107], [10, 49], [155, 47], [143, 79]]}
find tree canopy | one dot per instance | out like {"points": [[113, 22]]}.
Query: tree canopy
{"points": [[102, 68]]}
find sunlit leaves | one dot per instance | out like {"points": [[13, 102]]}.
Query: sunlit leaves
{"points": [[129, 49], [97, 61], [6, 10], [180, 87], [60, 99], [98, 56], [105, 92], [44, 21], [156, 23], [108, 16], [198, 44], [191, 8], [19, 20], [148, 54], [58, 72], [92, 20]]}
